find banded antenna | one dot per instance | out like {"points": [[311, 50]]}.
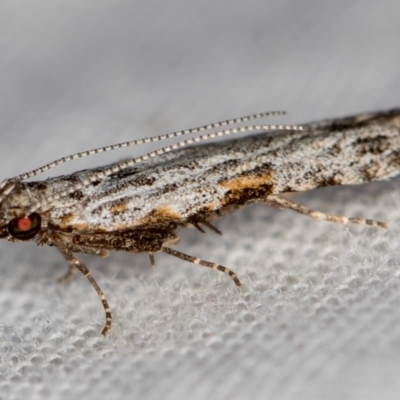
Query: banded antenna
{"points": [[214, 125]]}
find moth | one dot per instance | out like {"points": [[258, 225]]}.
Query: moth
{"points": [[137, 205]]}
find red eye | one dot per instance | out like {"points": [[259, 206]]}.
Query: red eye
{"points": [[25, 228], [24, 224]]}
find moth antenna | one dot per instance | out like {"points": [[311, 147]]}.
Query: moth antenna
{"points": [[152, 139], [6, 187], [129, 163]]}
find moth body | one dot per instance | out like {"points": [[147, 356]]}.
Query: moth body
{"points": [[138, 208]]}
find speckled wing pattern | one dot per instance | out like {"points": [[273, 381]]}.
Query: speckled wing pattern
{"points": [[199, 184]]}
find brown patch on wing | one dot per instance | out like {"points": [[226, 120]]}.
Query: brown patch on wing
{"points": [[160, 216], [67, 224], [67, 220], [211, 206], [119, 208], [246, 189], [83, 226], [246, 182]]}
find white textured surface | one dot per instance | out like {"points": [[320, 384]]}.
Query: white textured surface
{"points": [[318, 316]]}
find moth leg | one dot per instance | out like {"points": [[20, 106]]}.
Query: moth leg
{"points": [[204, 263], [198, 227], [212, 227], [152, 260], [69, 275], [75, 263], [208, 225], [282, 202]]}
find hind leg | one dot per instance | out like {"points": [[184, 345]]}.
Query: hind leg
{"points": [[281, 202]]}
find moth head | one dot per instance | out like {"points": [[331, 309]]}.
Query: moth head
{"points": [[16, 222]]}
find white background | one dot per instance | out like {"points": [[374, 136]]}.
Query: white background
{"points": [[318, 315]]}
